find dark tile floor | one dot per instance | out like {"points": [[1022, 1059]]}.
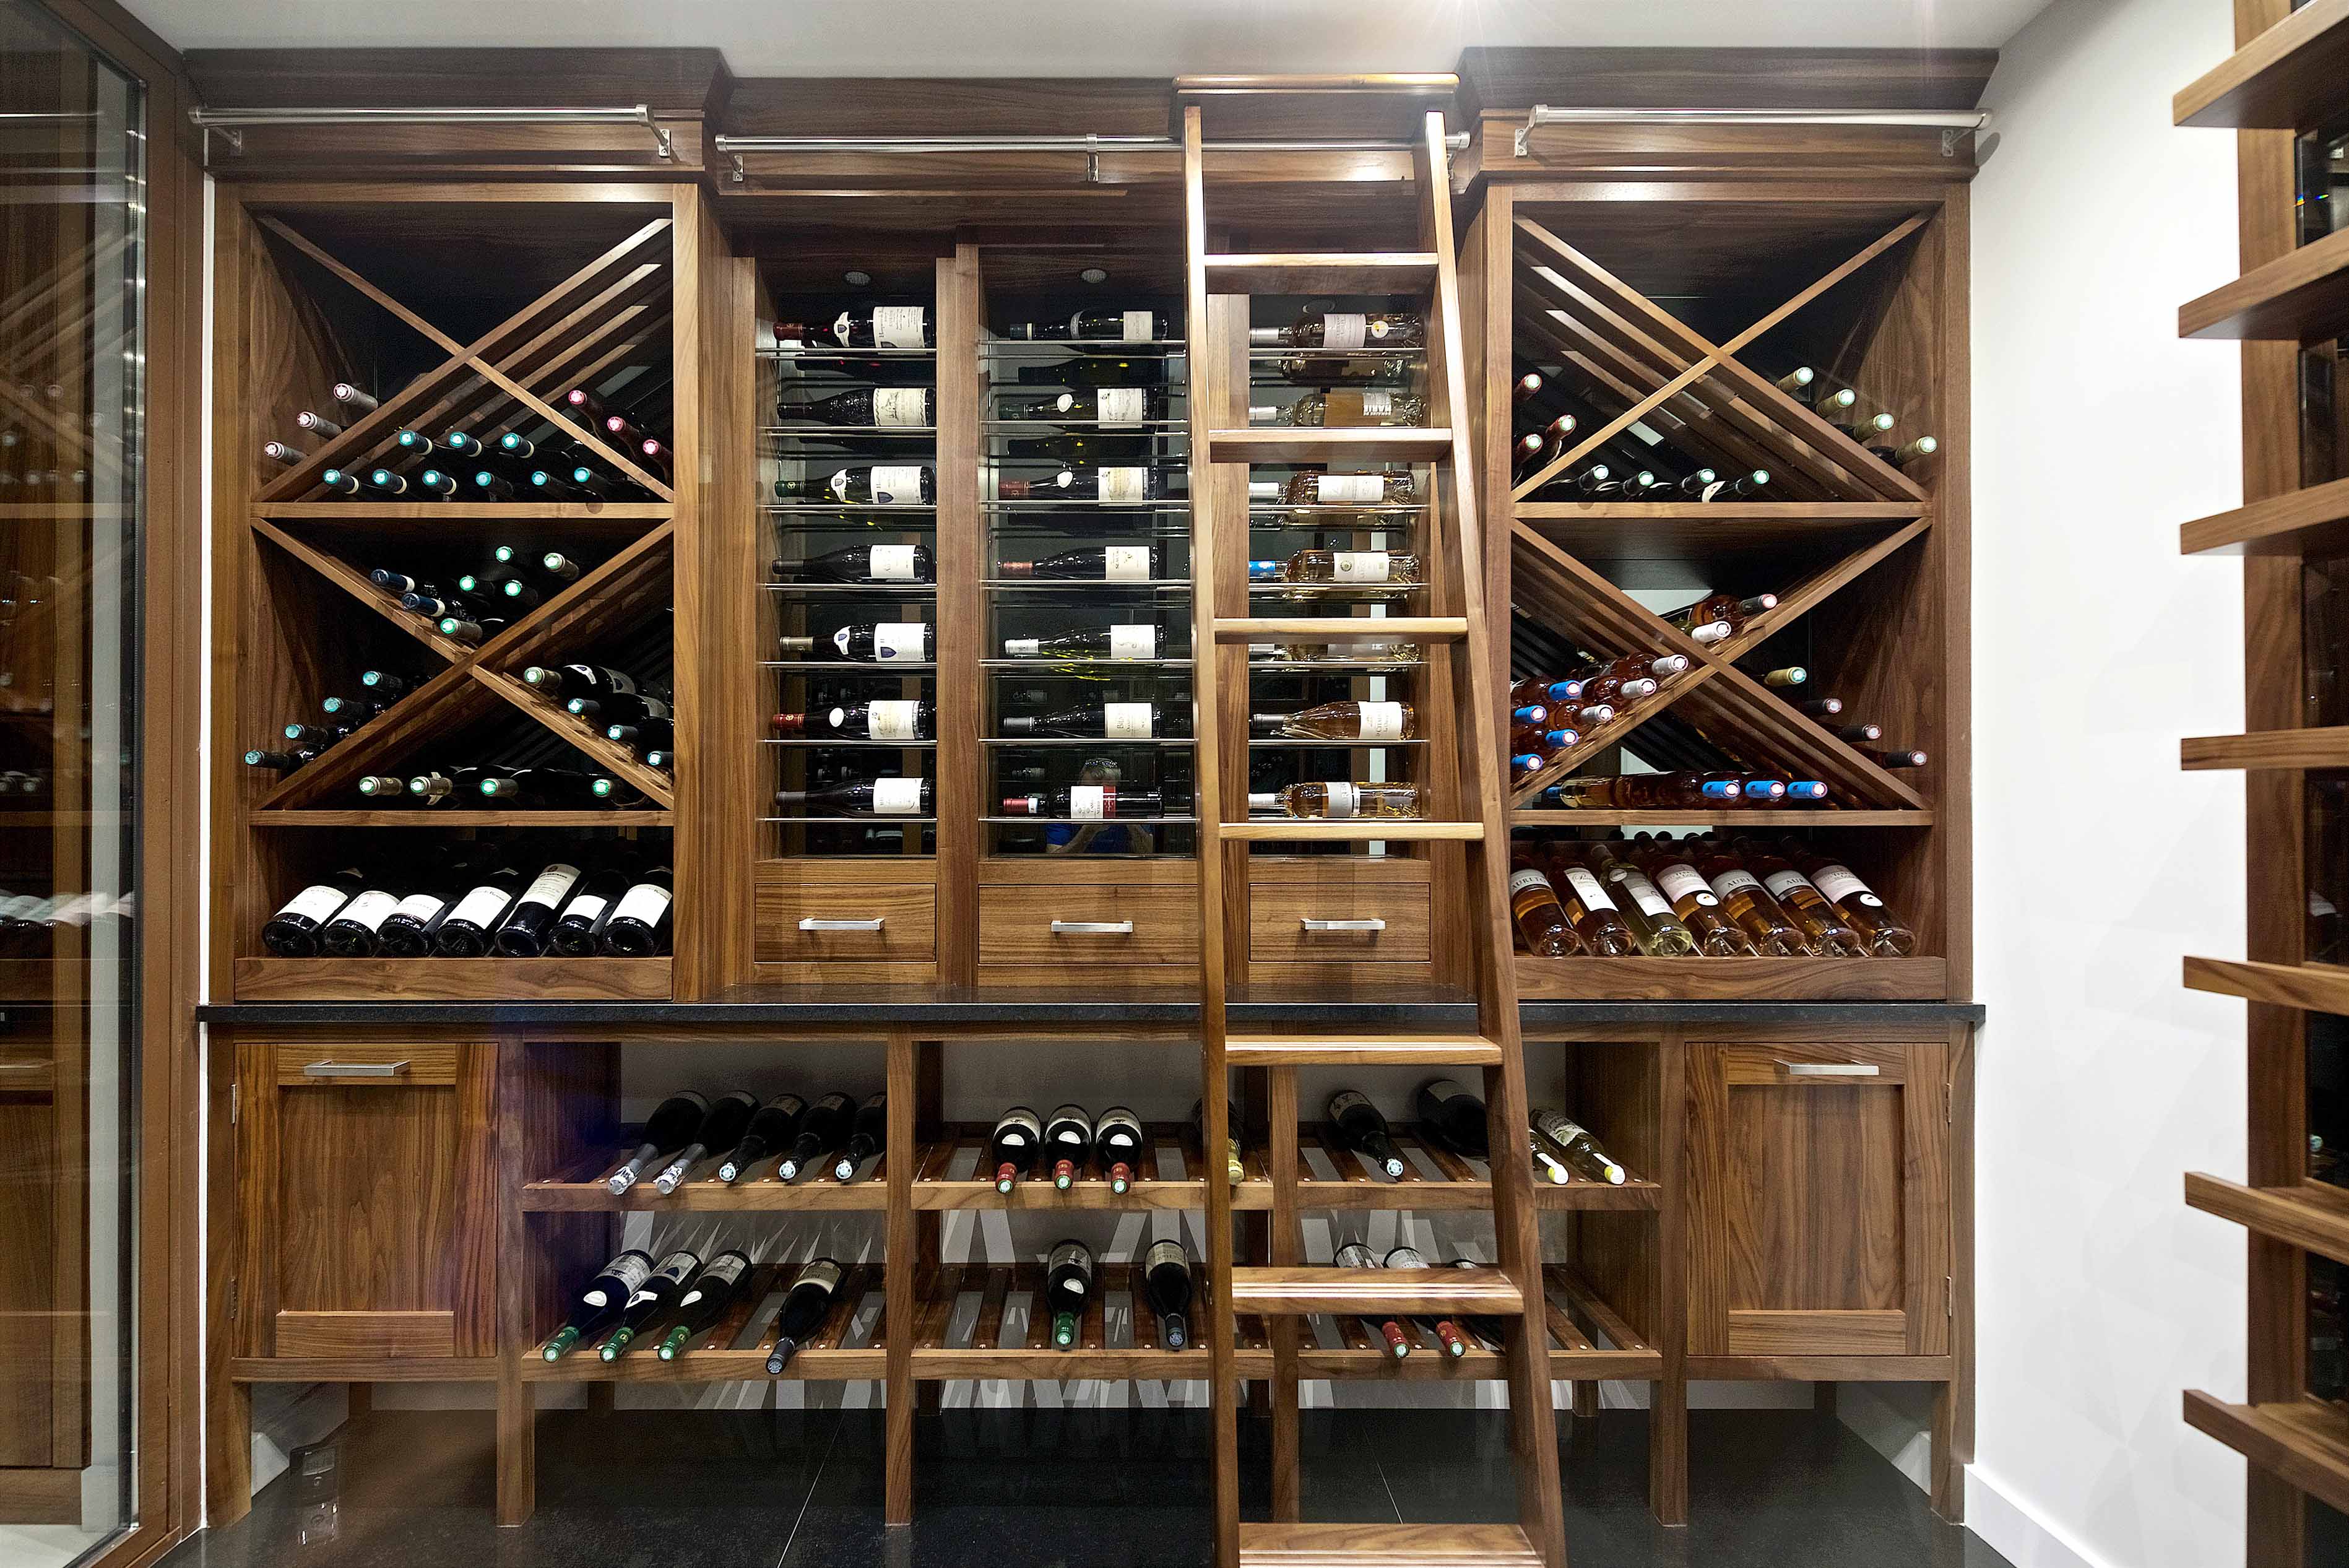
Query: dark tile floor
{"points": [[1053, 1488]]}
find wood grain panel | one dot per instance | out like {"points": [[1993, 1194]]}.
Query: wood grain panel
{"points": [[908, 912], [366, 1334], [1015, 926], [1782, 1332], [452, 980], [1277, 913]]}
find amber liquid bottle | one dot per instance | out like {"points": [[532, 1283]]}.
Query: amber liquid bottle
{"points": [[1751, 905], [1541, 920], [1885, 933], [1808, 908], [1693, 898], [1588, 907], [1642, 905]]}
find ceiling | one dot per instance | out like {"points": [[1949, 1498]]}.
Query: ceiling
{"points": [[1081, 37]]}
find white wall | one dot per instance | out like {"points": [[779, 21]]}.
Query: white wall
{"points": [[2099, 864]]}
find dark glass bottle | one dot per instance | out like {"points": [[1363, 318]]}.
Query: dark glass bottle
{"points": [[1453, 1117], [600, 1304], [866, 1140], [638, 927], [821, 1131], [1361, 1128]]}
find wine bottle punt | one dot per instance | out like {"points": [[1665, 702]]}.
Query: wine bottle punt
{"points": [[719, 1128], [1448, 1333], [773, 1128], [1354, 1255], [704, 1300], [1360, 1127], [1167, 1290], [1068, 1139], [1453, 1117], [821, 1130], [651, 1301], [1068, 1288], [865, 1138], [805, 1306], [600, 1304], [640, 922], [1013, 1147], [1117, 1146]]}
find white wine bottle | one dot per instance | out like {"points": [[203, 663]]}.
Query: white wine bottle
{"points": [[1369, 721], [1337, 800]]}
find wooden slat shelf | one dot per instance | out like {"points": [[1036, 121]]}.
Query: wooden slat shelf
{"points": [[1658, 551], [581, 1190], [1800, 515], [1797, 817], [458, 817], [1306, 444], [2311, 748], [453, 980], [378, 512], [2313, 521], [2312, 1215], [720, 1356], [2302, 297], [2295, 76], [1747, 979], [2312, 988], [2305, 1442]]}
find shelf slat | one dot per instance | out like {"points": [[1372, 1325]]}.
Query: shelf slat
{"points": [[2313, 521], [2311, 1216], [2312, 748], [1810, 816], [2302, 297], [2312, 988], [456, 817], [1725, 979], [2305, 1442], [2292, 76], [1306, 444]]}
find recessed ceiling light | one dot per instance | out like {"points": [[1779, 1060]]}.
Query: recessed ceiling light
{"points": [[857, 279], [1093, 275]]}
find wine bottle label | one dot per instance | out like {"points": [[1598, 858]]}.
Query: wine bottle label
{"points": [[1345, 329], [727, 1271], [1344, 1101], [1382, 721], [647, 902], [630, 1273], [1119, 405], [1092, 802], [1124, 484], [897, 641], [421, 906], [898, 485], [1125, 563], [1378, 405], [821, 1272], [1344, 799], [1838, 883], [481, 906], [1783, 884], [315, 902], [896, 797], [1652, 903], [896, 326], [1139, 326], [1731, 882], [1360, 566], [1134, 642], [1022, 647], [1349, 489], [585, 908], [1353, 1256], [897, 407], [889, 720], [1166, 1251], [370, 909], [1587, 887], [1685, 882], [1531, 877], [1070, 1255], [550, 885], [1561, 1130], [1129, 720], [890, 563]]}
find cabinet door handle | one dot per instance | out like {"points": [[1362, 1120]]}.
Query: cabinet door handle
{"points": [[1372, 924], [813, 924], [1093, 928], [355, 1070], [1830, 1069]]}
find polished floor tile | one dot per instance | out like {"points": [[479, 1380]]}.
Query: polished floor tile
{"points": [[1059, 1488]]}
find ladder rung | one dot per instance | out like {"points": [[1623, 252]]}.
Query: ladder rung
{"points": [[1352, 830], [1326, 272], [1361, 1051], [1293, 1291], [1348, 444], [1345, 629], [1325, 1545]]}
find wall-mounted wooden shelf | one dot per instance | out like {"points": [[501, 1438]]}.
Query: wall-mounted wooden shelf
{"points": [[2310, 521], [1754, 979], [2309, 748], [2304, 1442], [452, 980], [2309, 987], [2293, 75], [2300, 296], [2312, 1215]]}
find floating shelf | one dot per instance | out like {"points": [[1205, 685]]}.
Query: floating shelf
{"points": [[2305, 1442], [2311, 748], [2302, 297], [1807, 816], [459, 817], [2312, 1215], [2310, 522], [2292, 76], [2312, 988]]}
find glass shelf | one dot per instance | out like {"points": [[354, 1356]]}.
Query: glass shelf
{"points": [[1047, 665], [781, 352], [1020, 742], [850, 667], [851, 821], [847, 432], [1256, 744], [1091, 821], [845, 508], [1048, 508], [1080, 349], [1172, 585], [1034, 428], [867, 590], [848, 744]]}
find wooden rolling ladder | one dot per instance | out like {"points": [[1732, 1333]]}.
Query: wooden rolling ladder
{"points": [[1458, 635]]}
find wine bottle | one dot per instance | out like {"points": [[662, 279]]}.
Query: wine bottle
{"points": [[862, 797], [353, 932], [1547, 1164], [882, 642], [1317, 488], [1109, 720], [1657, 667], [866, 1140], [883, 408], [1123, 640], [1642, 904], [408, 931], [341, 481], [1069, 1140], [1112, 483], [1902, 757], [1068, 1287], [1167, 1290], [1527, 453], [619, 708], [1102, 564], [1821, 707], [892, 719], [1340, 568], [772, 1127], [1339, 721], [351, 397], [805, 1307], [1360, 1127], [1453, 1117], [1095, 325], [719, 1130], [1012, 1146], [669, 1128], [1345, 408], [1089, 803], [1335, 799], [1117, 1146], [1540, 919], [651, 1301], [1693, 900], [704, 1300], [293, 930], [865, 326], [1536, 690], [1785, 675], [1354, 1255], [1234, 1171], [286, 454], [1748, 902], [821, 1130], [1884, 933], [1591, 912], [1448, 1333], [863, 564], [881, 484], [1901, 456], [284, 762], [318, 424], [1345, 329], [638, 925], [470, 632], [1866, 429], [1580, 1151], [581, 922], [600, 1304], [1111, 406]]}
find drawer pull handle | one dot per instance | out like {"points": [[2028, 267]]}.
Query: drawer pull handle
{"points": [[813, 924], [355, 1070], [1372, 924], [1830, 1069], [1093, 928]]}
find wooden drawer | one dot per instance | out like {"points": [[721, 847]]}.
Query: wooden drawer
{"points": [[812, 921], [1096, 924], [1337, 920]]}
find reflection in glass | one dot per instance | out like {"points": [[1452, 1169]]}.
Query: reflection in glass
{"points": [[72, 366]]}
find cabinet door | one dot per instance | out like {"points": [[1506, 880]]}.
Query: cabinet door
{"points": [[1819, 1199], [368, 1195]]}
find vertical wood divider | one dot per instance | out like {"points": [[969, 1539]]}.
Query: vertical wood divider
{"points": [[898, 1283], [962, 612], [1287, 1252], [1667, 1401], [517, 1423]]}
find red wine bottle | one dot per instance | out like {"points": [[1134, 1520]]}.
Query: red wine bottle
{"points": [[669, 1128], [1360, 1127], [651, 1301], [1011, 1148], [865, 1140], [294, 931], [883, 408], [1068, 1139], [862, 797], [1354, 1255], [638, 926], [1067, 1288], [600, 1304], [1167, 1290], [1117, 1144], [805, 1307], [821, 1131], [890, 718], [581, 923], [771, 1129], [1453, 1118], [719, 1128]]}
